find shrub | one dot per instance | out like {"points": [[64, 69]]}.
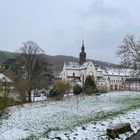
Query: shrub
{"points": [[77, 89], [102, 89], [6, 102], [55, 93], [1, 88], [59, 89]]}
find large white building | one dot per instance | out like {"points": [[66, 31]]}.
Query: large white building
{"points": [[75, 72], [113, 79]]}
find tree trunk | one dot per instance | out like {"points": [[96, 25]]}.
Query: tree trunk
{"points": [[5, 91], [29, 97]]}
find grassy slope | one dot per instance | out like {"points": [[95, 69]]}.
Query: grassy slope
{"points": [[62, 115]]}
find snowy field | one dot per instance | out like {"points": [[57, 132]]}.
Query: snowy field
{"points": [[79, 118]]}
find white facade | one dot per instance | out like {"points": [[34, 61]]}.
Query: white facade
{"points": [[113, 79], [101, 82], [75, 72]]}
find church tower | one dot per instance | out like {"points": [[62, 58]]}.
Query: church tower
{"points": [[82, 55]]}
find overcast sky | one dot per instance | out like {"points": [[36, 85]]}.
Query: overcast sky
{"points": [[58, 26]]}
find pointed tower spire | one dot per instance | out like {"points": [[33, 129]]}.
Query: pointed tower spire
{"points": [[83, 46], [83, 42], [82, 55]]}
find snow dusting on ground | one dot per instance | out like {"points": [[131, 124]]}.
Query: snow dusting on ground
{"points": [[77, 118]]}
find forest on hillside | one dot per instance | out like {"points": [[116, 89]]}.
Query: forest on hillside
{"points": [[57, 61]]}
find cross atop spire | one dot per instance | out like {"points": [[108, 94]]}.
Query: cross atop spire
{"points": [[83, 46], [83, 41]]}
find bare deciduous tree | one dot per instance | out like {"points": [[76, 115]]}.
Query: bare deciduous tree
{"points": [[30, 53], [129, 51], [31, 57]]}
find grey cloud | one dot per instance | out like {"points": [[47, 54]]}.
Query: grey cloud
{"points": [[59, 26], [103, 9]]}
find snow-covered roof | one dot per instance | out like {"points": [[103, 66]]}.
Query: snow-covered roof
{"points": [[3, 78], [117, 71], [99, 69], [75, 65], [105, 71]]}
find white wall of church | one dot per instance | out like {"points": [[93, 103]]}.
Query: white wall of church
{"points": [[91, 70], [82, 73], [73, 72]]}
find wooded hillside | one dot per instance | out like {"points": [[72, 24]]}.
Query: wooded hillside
{"points": [[57, 61]]}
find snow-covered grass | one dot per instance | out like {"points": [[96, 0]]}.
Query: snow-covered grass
{"points": [[44, 120], [97, 130]]}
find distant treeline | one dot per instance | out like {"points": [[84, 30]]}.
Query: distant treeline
{"points": [[57, 61]]}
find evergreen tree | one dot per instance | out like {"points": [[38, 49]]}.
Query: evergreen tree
{"points": [[77, 89], [90, 86]]}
